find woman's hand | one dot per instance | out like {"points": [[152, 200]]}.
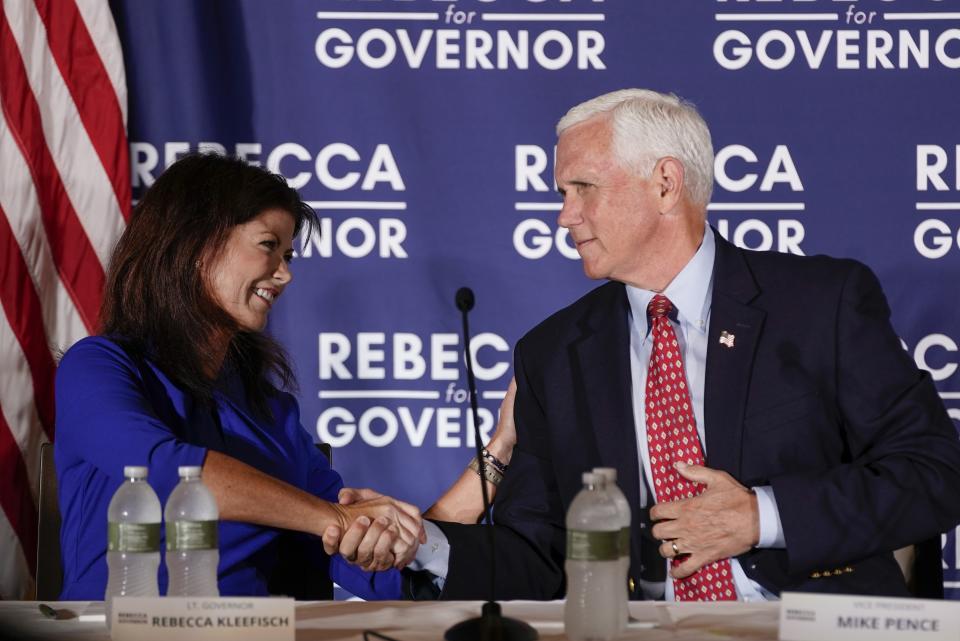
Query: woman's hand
{"points": [[374, 532]]}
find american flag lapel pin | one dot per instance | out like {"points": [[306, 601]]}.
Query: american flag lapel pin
{"points": [[726, 338]]}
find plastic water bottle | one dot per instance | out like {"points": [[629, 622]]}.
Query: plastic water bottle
{"points": [[133, 539], [191, 515], [609, 475], [594, 590]]}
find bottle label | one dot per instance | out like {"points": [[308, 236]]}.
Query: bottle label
{"points": [[192, 535], [593, 546], [133, 537], [625, 541]]}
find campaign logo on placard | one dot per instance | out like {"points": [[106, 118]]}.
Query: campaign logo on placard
{"points": [[381, 388], [536, 235], [757, 203], [938, 197], [758, 199], [357, 222], [483, 35], [883, 35]]}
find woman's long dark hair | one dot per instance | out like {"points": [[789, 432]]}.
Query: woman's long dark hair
{"points": [[157, 303]]}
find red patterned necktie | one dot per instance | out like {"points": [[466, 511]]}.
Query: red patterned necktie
{"points": [[671, 437]]}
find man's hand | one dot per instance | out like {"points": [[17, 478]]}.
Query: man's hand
{"points": [[375, 531], [722, 522]]}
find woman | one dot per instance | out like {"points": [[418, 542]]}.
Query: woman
{"points": [[183, 375]]}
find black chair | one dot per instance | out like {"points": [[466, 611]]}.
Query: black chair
{"points": [[289, 578], [49, 568], [922, 567]]}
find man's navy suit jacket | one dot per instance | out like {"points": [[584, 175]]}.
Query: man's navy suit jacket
{"points": [[816, 398]]}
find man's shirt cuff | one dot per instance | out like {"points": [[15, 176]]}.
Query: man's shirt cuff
{"points": [[434, 555], [771, 529]]}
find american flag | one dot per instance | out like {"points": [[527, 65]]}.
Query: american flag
{"points": [[64, 201]]}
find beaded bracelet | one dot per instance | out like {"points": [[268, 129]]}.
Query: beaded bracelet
{"points": [[493, 460], [492, 474]]}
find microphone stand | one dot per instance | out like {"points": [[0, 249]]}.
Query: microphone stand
{"points": [[491, 625]]}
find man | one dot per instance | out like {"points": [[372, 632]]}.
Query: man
{"points": [[760, 402]]}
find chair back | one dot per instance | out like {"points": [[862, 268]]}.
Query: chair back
{"points": [[49, 568], [327, 451], [922, 567], [928, 570]]}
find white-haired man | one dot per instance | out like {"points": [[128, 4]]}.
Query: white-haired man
{"points": [[768, 429]]}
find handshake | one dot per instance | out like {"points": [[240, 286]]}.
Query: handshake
{"points": [[374, 532]]}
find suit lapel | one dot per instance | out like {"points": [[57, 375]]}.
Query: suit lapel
{"points": [[601, 362], [729, 367]]}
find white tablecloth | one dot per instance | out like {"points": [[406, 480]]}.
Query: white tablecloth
{"points": [[406, 621]]}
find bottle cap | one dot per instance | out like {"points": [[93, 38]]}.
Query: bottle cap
{"points": [[189, 471], [135, 471], [589, 478], [609, 474]]}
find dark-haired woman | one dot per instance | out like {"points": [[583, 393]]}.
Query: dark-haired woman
{"points": [[183, 374]]}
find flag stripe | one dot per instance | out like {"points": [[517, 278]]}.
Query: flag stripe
{"points": [[14, 579], [83, 176], [96, 15], [77, 262], [18, 199], [17, 403], [64, 202], [14, 496], [91, 90], [22, 308], [17, 398]]}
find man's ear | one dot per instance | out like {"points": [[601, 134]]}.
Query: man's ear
{"points": [[668, 177]]}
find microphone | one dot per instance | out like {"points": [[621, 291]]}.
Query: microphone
{"points": [[491, 625], [465, 301]]}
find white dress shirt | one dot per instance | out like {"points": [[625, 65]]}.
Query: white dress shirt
{"points": [[690, 292]]}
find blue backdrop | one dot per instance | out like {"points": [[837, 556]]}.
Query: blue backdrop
{"points": [[423, 132]]}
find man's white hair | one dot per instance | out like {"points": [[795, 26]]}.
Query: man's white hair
{"points": [[647, 126]]}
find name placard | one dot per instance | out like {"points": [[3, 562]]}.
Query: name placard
{"points": [[815, 617], [237, 619]]}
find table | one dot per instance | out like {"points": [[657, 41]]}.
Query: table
{"points": [[409, 621]]}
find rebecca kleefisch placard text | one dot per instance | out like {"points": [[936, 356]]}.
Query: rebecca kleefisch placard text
{"points": [[146, 619]]}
